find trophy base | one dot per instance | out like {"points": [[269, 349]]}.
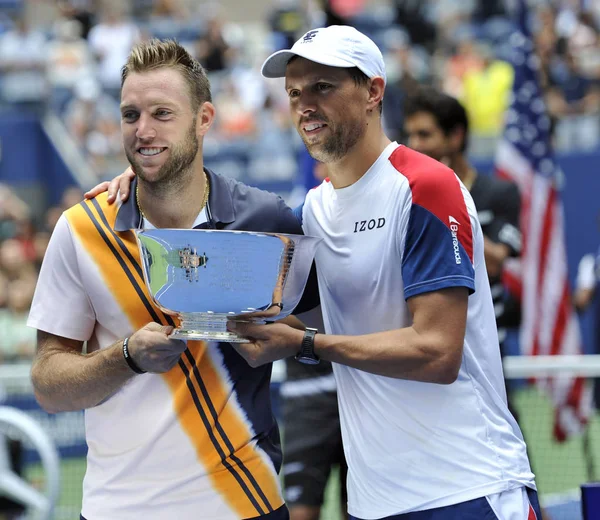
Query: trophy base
{"points": [[207, 335], [208, 327]]}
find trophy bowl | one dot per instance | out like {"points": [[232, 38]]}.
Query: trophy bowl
{"points": [[207, 277]]}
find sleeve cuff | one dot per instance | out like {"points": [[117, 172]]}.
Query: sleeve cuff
{"points": [[439, 283]]}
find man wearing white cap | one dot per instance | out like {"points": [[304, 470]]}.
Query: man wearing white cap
{"points": [[406, 302]]}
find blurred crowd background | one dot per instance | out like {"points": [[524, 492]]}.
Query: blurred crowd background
{"points": [[62, 59]]}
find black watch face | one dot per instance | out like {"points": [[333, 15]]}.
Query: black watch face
{"points": [[308, 360]]}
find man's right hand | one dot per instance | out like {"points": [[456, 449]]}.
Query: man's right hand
{"points": [[120, 184], [153, 350]]}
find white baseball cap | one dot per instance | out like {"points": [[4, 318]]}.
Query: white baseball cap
{"points": [[335, 46]]}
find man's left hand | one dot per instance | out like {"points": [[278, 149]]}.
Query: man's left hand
{"points": [[268, 343]]}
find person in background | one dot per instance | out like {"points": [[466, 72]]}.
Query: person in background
{"points": [[485, 96], [585, 297], [111, 41], [23, 56], [437, 125]]}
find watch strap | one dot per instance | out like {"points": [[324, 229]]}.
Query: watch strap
{"points": [[307, 348]]}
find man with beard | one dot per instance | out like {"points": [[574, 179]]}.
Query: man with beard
{"points": [[174, 430], [406, 301]]}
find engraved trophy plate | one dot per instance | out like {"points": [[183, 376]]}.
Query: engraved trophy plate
{"points": [[206, 277]]}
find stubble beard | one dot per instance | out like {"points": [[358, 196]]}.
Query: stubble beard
{"points": [[176, 170], [338, 144]]}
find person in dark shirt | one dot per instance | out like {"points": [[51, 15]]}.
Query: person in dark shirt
{"points": [[212, 49], [436, 124]]}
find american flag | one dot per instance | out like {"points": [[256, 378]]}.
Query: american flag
{"points": [[549, 325]]}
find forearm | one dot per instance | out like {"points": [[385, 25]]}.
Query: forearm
{"points": [[401, 354], [66, 381], [293, 322]]}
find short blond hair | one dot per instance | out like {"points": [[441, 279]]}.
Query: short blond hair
{"points": [[155, 54]]}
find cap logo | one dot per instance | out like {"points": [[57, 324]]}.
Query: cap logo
{"points": [[308, 37]]}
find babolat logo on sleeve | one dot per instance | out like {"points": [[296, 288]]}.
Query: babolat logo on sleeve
{"points": [[454, 230], [308, 37]]}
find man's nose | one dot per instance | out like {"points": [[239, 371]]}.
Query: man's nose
{"points": [[306, 104], [145, 130]]}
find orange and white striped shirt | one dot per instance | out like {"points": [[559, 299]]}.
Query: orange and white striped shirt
{"points": [[199, 441]]}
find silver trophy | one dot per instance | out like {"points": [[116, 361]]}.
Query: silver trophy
{"points": [[206, 277]]}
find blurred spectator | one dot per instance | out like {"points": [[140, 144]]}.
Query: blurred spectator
{"points": [[575, 101], [274, 133], [111, 41], [244, 75], [81, 111], [584, 33], [486, 94], [40, 244], [92, 118], [288, 21], [17, 340], [175, 10], [466, 60], [486, 9], [586, 291], [235, 121], [212, 48], [452, 21], [588, 277], [82, 11], [405, 70], [13, 261], [412, 15], [173, 19], [24, 234], [585, 43], [104, 146], [71, 196], [51, 217], [12, 210], [23, 66], [69, 61], [546, 44], [340, 12]]}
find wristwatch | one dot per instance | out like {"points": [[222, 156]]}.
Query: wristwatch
{"points": [[306, 353]]}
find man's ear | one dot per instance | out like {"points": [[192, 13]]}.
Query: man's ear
{"points": [[205, 118], [376, 90]]}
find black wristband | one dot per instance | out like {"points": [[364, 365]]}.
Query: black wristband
{"points": [[132, 364]]}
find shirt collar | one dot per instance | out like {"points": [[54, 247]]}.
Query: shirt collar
{"points": [[220, 201]]}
